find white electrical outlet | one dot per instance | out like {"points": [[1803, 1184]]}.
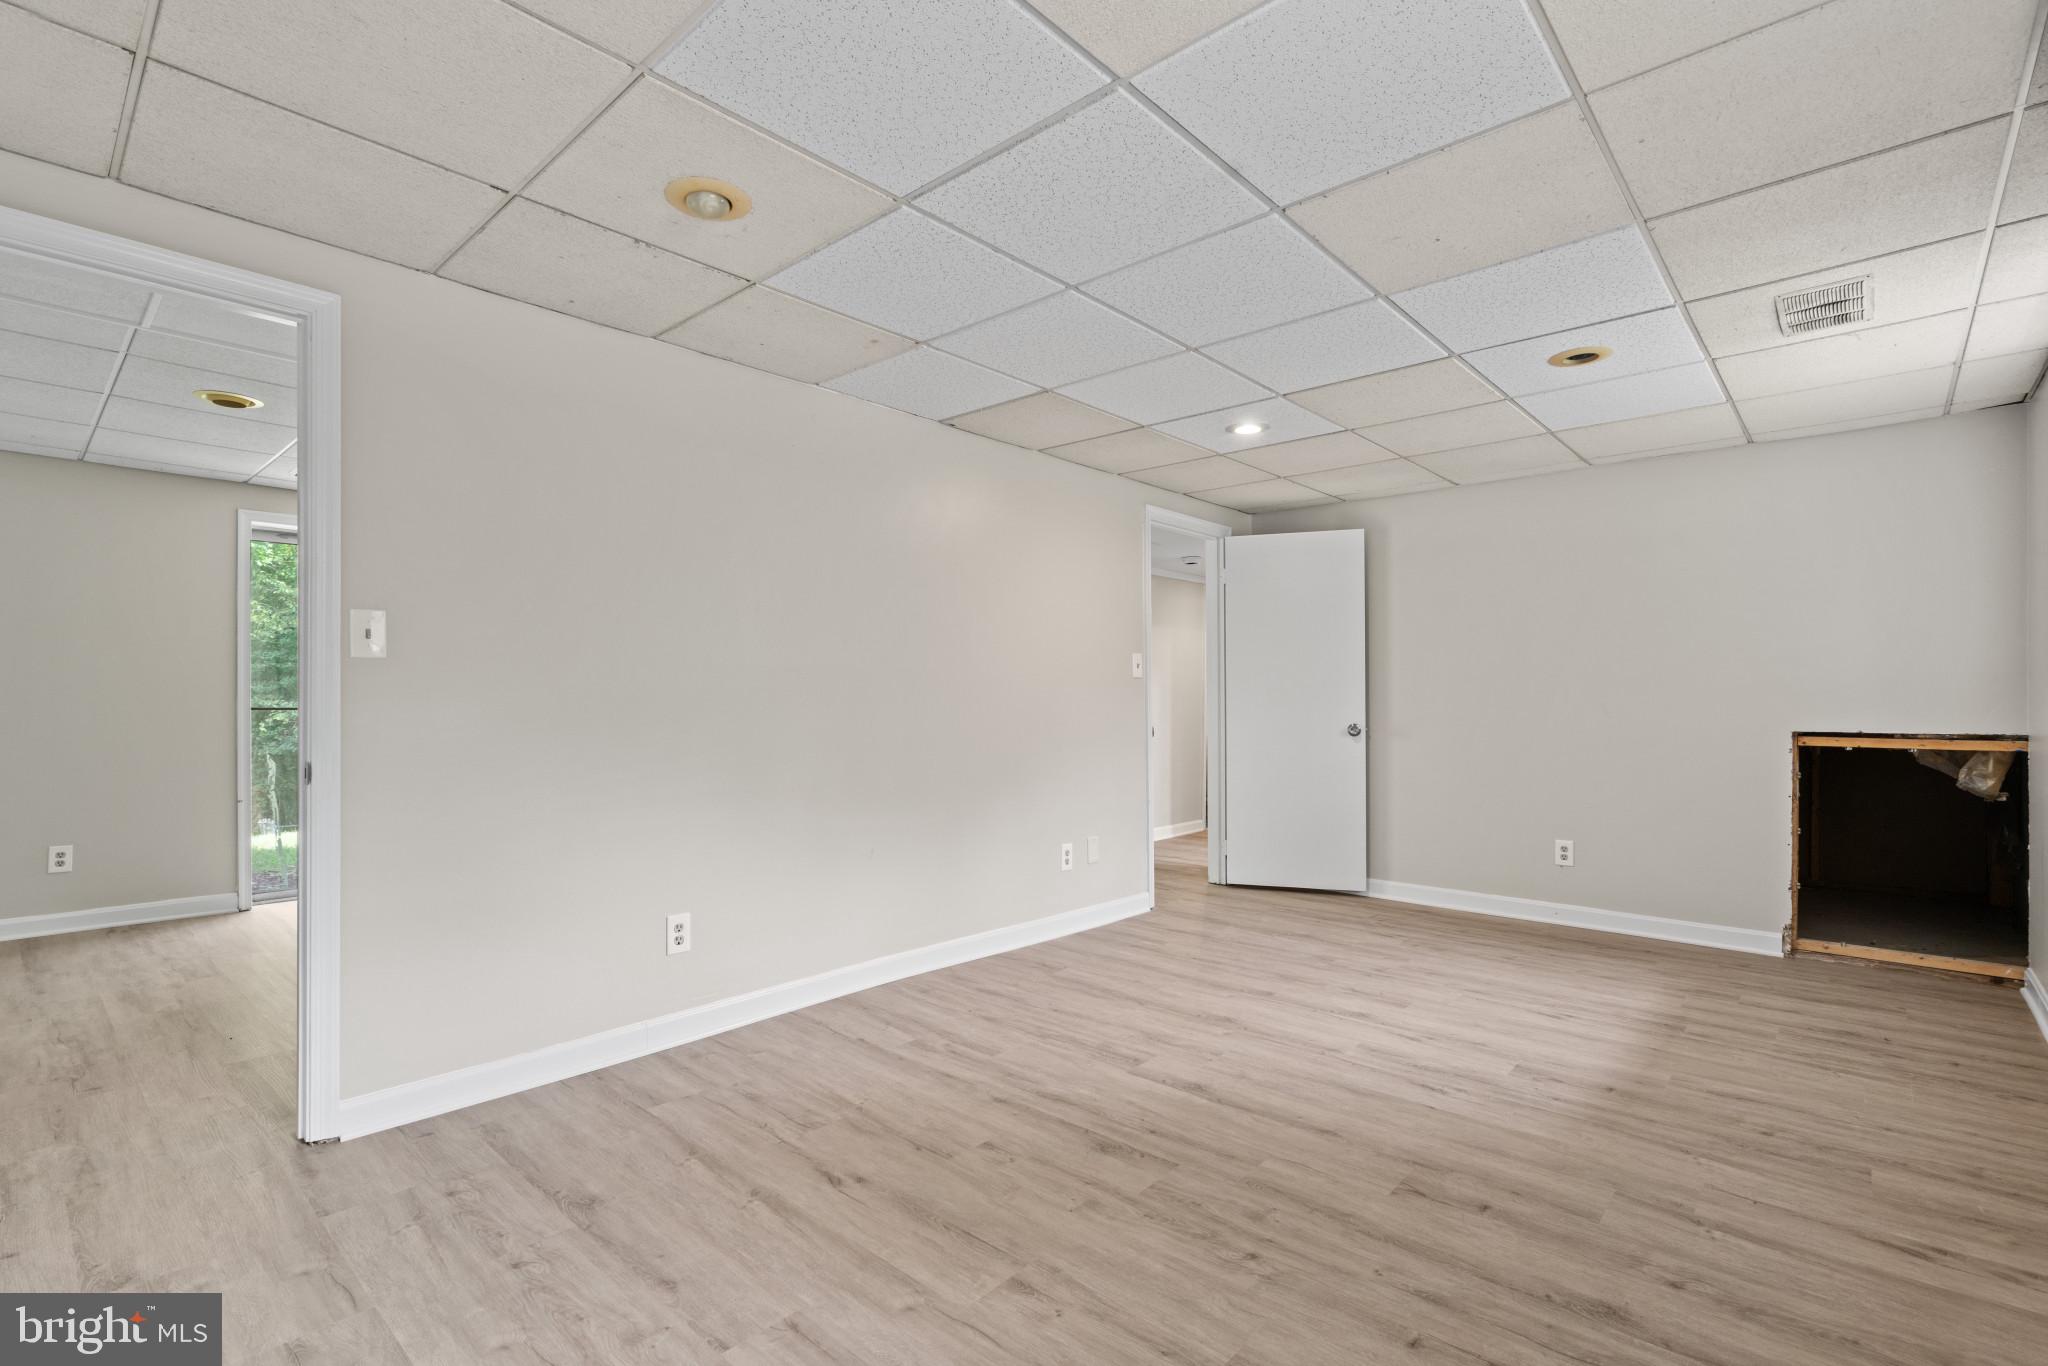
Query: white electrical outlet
{"points": [[1066, 858], [1095, 848], [61, 858], [1563, 854], [679, 932]]}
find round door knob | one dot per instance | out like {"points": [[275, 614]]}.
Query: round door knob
{"points": [[1354, 729]]}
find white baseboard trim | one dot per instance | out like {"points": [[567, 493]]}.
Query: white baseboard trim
{"points": [[437, 1095], [1174, 832], [1768, 942], [107, 917], [2035, 993]]}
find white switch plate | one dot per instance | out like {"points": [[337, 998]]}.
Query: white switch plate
{"points": [[1563, 854], [61, 858], [1066, 858], [365, 633], [679, 932], [1095, 848], [1137, 666]]}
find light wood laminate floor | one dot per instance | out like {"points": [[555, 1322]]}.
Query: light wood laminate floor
{"points": [[1251, 1129]]}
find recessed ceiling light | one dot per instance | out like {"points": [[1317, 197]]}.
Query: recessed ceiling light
{"points": [[715, 201], [221, 398], [1247, 428], [1580, 355]]}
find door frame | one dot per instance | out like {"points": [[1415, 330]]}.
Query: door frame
{"points": [[1212, 699], [248, 523], [318, 315]]}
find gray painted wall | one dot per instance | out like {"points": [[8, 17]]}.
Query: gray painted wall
{"points": [[2037, 670]]}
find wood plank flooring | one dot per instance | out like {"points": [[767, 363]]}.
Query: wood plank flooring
{"points": [[1251, 1129]]}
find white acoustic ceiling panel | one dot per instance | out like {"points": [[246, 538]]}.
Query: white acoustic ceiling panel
{"points": [[1433, 432], [786, 336], [1161, 390], [1617, 400], [2003, 379], [230, 324], [1364, 339], [1916, 283], [1277, 421], [1244, 280], [898, 91], [1609, 276], [1385, 479], [2019, 261], [113, 21], [1129, 35], [1306, 94], [913, 275], [1646, 341], [1884, 396], [1103, 187], [1041, 420], [1058, 340], [206, 427], [1435, 387], [60, 92], [1515, 459], [48, 402], [1307, 455], [931, 384], [171, 455], [1193, 476], [1686, 429], [1122, 452], [155, 381], [1610, 40], [1268, 495], [55, 362], [2008, 326], [631, 28], [151, 343], [1827, 360]]}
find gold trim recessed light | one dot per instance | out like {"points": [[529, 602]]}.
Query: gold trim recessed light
{"points": [[1247, 428], [1580, 355], [714, 201], [221, 398]]}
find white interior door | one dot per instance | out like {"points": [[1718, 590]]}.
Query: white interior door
{"points": [[1294, 710]]}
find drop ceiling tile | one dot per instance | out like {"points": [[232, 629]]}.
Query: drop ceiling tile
{"points": [[1435, 387], [60, 92], [1915, 283], [58, 324], [1617, 400], [474, 86], [543, 257], [1610, 40], [282, 473], [156, 381], [1828, 404], [1502, 460], [786, 336], [1691, 449], [1058, 340], [1609, 276], [631, 28], [1244, 280], [1268, 495], [1041, 420], [2005, 379], [1927, 192], [226, 360], [1307, 94], [159, 452], [1745, 113], [1852, 424], [1837, 359], [1336, 450], [113, 21], [1282, 421], [46, 435], [898, 91], [2026, 189], [2009, 326], [208, 427], [1160, 390], [614, 172], [52, 402], [2018, 265], [1689, 428], [55, 362], [1138, 449], [913, 275], [1103, 187], [930, 383], [1364, 339], [1439, 215], [1130, 35], [1382, 480], [1192, 476], [35, 280], [1961, 405], [1476, 426], [1645, 342], [216, 320], [210, 146]]}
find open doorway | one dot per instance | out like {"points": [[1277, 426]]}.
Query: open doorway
{"points": [[267, 715], [1182, 662]]}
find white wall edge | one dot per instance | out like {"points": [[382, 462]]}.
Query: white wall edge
{"points": [[2035, 993], [416, 1100], [1174, 832], [1767, 942], [108, 917]]}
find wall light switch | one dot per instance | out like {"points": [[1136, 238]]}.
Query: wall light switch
{"points": [[1137, 666], [365, 633], [1095, 848]]}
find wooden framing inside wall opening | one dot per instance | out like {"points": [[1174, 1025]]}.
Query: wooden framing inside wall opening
{"points": [[1798, 939], [317, 314], [1211, 534]]}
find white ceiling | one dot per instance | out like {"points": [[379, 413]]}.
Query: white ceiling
{"points": [[1110, 229], [102, 368]]}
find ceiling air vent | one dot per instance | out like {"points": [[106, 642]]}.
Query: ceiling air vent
{"points": [[1816, 310]]}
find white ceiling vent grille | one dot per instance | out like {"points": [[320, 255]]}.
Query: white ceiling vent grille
{"points": [[1815, 310]]}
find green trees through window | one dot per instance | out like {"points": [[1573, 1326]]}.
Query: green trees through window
{"points": [[274, 718]]}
